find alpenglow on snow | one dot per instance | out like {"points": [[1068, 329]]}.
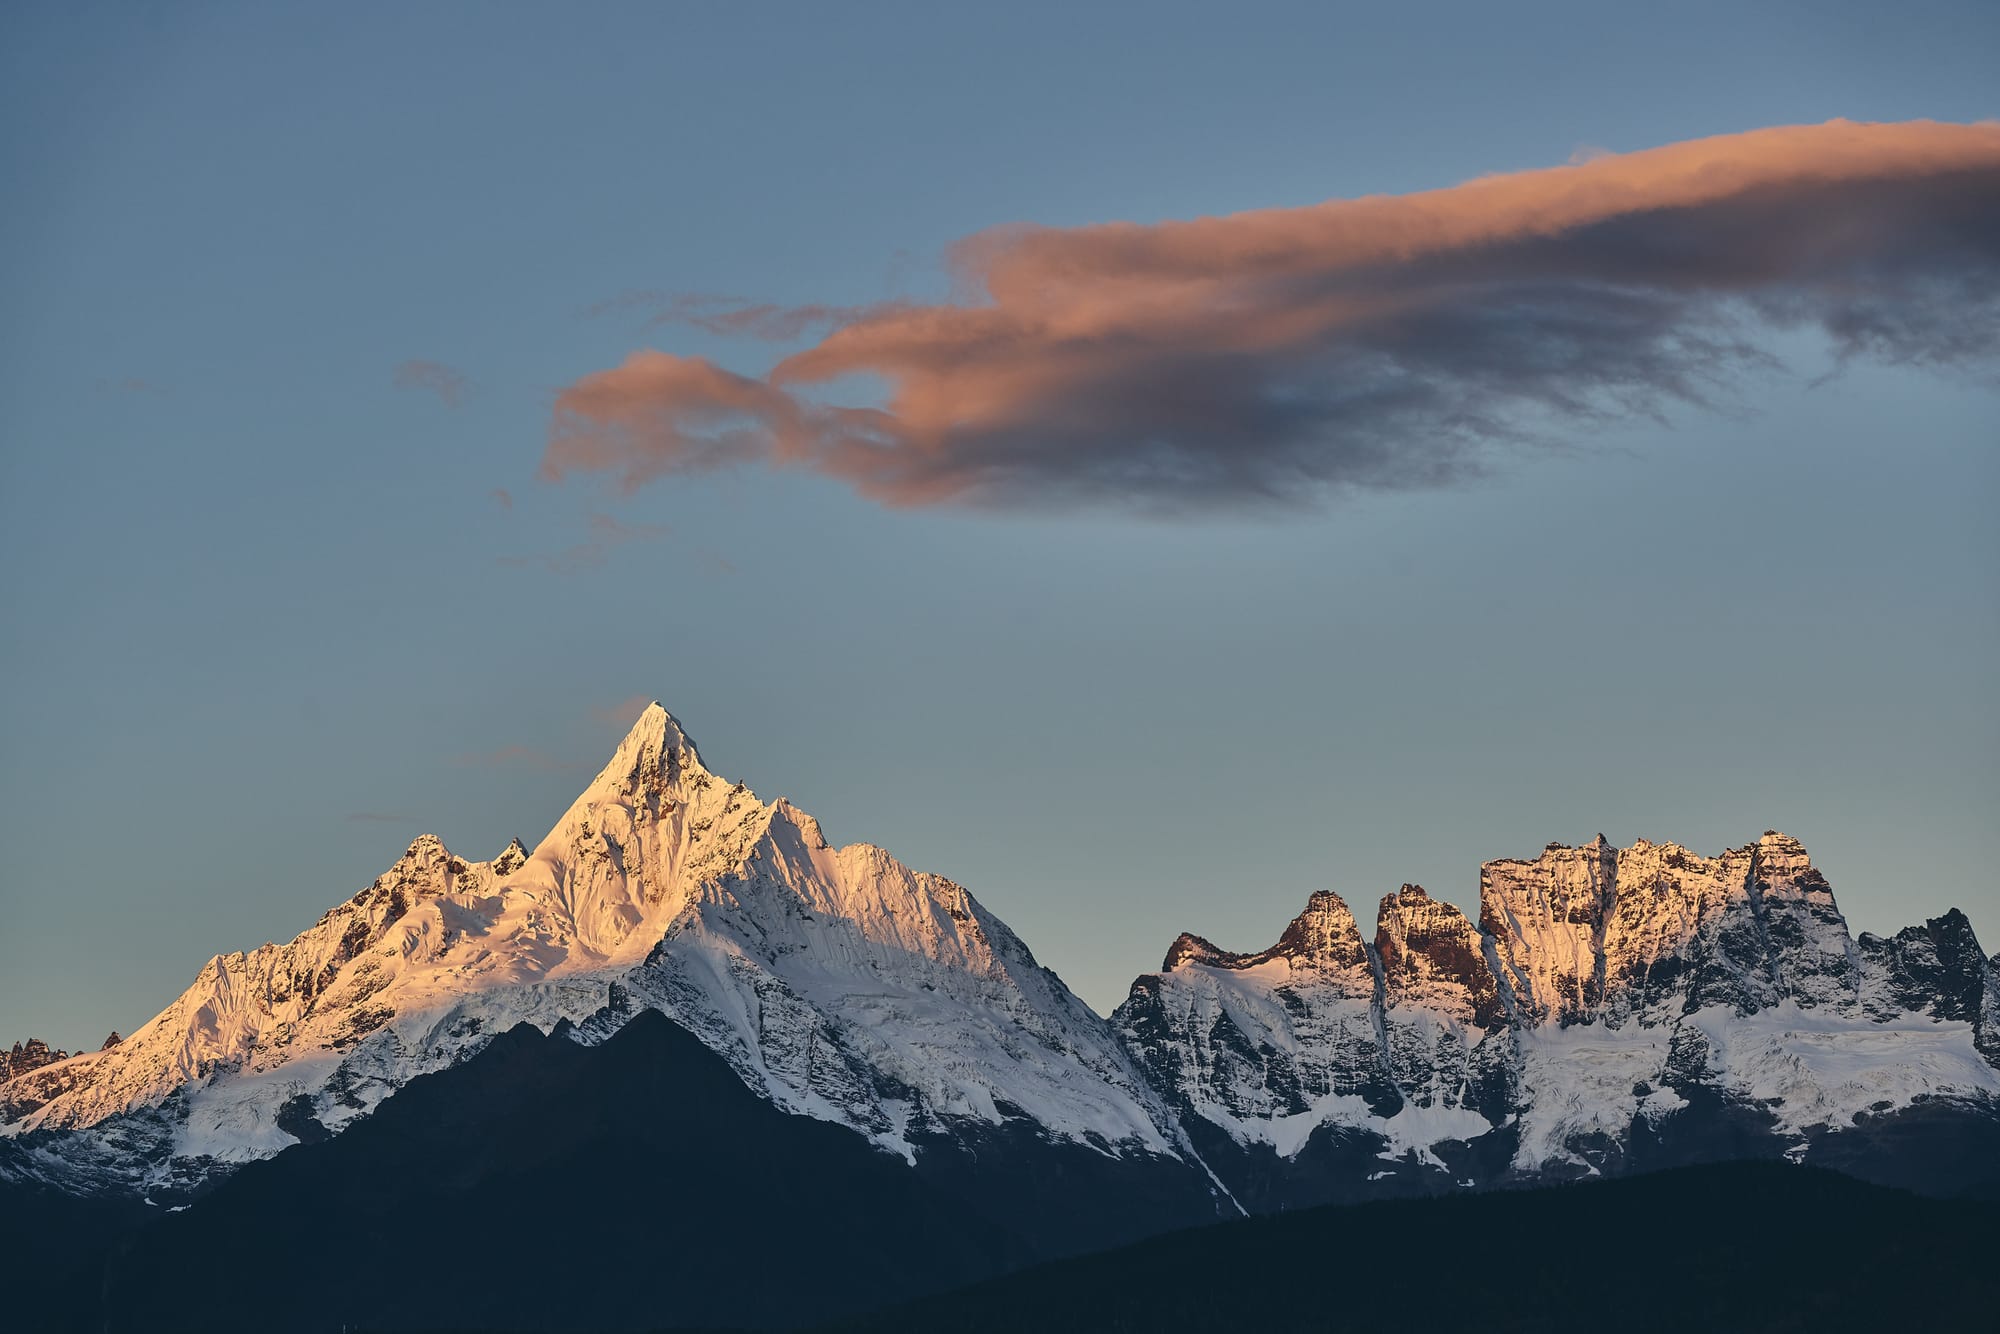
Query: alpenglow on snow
{"points": [[1611, 1009]]}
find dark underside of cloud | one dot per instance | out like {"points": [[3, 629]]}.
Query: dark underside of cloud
{"points": [[1389, 342]]}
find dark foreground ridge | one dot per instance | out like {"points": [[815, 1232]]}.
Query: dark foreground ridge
{"points": [[547, 1185], [1610, 1011], [819, 1083], [1764, 1247], [638, 1185]]}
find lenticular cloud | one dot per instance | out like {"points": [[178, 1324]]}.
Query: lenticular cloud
{"points": [[1401, 341]]}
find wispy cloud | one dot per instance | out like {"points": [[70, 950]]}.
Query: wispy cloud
{"points": [[730, 315], [518, 757], [606, 534], [434, 377], [1287, 355]]}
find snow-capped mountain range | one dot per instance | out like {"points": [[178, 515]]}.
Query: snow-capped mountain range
{"points": [[1608, 1000], [838, 983], [1610, 1009]]}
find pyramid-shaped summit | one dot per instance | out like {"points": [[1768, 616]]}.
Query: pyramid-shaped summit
{"points": [[1608, 1008], [834, 980]]}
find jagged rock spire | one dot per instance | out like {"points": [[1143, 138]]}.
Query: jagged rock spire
{"points": [[1323, 936], [1431, 956], [654, 755], [512, 857]]}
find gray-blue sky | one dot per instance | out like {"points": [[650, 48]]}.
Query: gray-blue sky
{"points": [[292, 294]]}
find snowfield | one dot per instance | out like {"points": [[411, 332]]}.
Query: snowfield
{"points": [[1601, 990]]}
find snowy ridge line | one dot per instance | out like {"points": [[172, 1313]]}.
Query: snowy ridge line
{"points": [[838, 982], [1605, 1001], [1602, 992]]}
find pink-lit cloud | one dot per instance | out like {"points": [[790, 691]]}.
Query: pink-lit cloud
{"points": [[732, 315], [1382, 342]]}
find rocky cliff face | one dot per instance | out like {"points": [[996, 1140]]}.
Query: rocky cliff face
{"points": [[1392, 1039], [1611, 1008], [1615, 1006], [1934, 970], [30, 1055], [1599, 933], [1442, 1020], [1261, 1040]]}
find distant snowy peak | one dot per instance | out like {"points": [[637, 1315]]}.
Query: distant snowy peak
{"points": [[1602, 999], [838, 982], [1430, 958], [1426, 953], [1596, 932], [1323, 938], [1602, 990], [1325, 1029], [511, 859], [326, 991], [1253, 1042], [32, 1054], [1936, 970]]}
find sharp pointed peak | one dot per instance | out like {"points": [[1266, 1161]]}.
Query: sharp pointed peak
{"points": [[424, 847], [1324, 909], [511, 858], [655, 725], [1412, 907], [1325, 933], [1775, 848], [1951, 922], [1188, 945], [654, 753]]}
